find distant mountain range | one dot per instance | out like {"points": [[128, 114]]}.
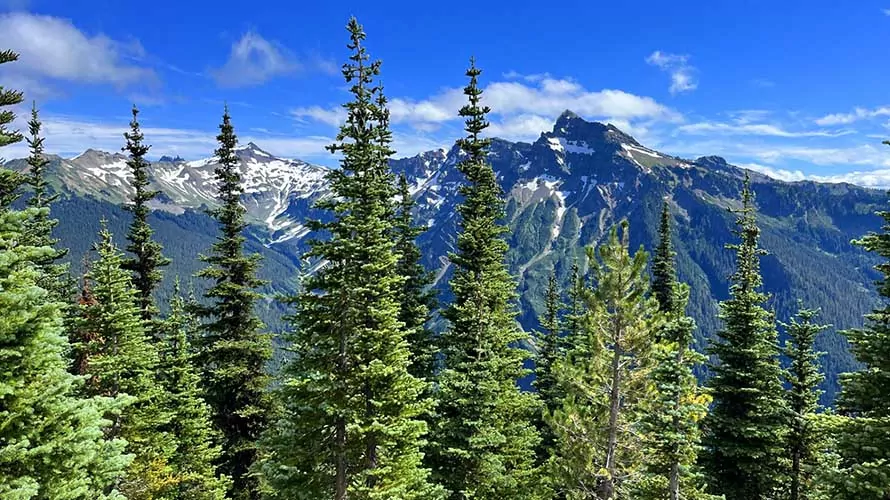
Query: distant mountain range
{"points": [[564, 191]]}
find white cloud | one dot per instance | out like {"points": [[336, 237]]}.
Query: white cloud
{"points": [[525, 127], [682, 73], [747, 128], [886, 12], [51, 47], [332, 116], [254, 60], [854, 116]]}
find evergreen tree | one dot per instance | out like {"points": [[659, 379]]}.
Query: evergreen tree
{"points": [[417, 297], [147, 254], [604, 377], [52, 442], [10, 181], [670, 422], [744, 435], [54, 274], [804, 378], [120, 360], [234, 350], [483, 437], [352, 425], [195, 456], [550, 350], [574, 308], [864, 439]]}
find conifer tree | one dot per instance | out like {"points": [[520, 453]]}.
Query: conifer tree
{"points": [[483, 438], [745, 431], [671, 415], [120, 360], [574, 308], [147, 253], [604, 376], [804, 378], [352, 425], [52, 440], [54, 275], [196, 454], [417, 297], [550, 350], [10, 181], [864, 439], [234, 349]]}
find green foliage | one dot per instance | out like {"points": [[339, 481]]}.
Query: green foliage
{"points": [[52, 442], [113, 349], [804, 378], [745, 431], [8, 97], [352, 422], [234, 350], [550, 350], [864, 445], [483, 439], [194, 460], [603, 376], [147, 256]]}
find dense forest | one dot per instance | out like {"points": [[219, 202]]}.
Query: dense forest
{"points": [[111, 390]]}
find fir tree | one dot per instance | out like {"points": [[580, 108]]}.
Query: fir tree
{"points": [[195, 457], [120, 360], [352, 425], [550, 350], [864, 439], [604, 376], [670, 422], [54, 274], [234, 350], [417, 297], [574, 308], [744, 435], [10, 181], [52, 440], [147, 254], [483, 437], [804, 378]]}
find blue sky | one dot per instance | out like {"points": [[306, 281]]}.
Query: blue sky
{"points": [[794, 88]]}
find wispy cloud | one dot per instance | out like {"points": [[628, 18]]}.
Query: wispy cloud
{"points": [[677, 65], [52, 48], [330, 116], [854, 116], [886, 12], [746, 128], [254, 60]]}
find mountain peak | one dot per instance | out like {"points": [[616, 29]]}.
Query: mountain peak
{"points": [[251, 149]]}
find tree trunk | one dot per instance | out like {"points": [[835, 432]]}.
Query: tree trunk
{"points": [[608, 488]]}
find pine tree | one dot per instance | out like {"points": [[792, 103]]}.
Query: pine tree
{"points": [[352, 425], [10, 181], [804, 378], [744, 435], [550, 350], [194, 459], [574, 308], [670, 422], [417, 297], [234, 350], [147, 254], [54, 274], [120, 360], [483, 437], [52, 442], [864, 439], [604, 376]]}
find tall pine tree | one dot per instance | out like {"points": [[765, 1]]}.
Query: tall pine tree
{"points": [[417, 297], [195, 457], [745, 431], [483, 436], [352, 425], [804, 378], [671, 415], [234, 349], [10, 181], [864, 440], [147, 253], [550, 350], [54, 274], [117, 354]]}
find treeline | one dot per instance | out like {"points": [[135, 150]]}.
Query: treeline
{"points": [[102, 396]]}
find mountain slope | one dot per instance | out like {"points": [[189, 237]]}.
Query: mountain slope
{"points": [[563, 191]]}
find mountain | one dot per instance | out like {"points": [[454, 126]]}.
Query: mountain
{"points": [[564, 191]]}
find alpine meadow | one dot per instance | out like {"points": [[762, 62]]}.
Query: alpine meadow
{"points": [[576, 316]]}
